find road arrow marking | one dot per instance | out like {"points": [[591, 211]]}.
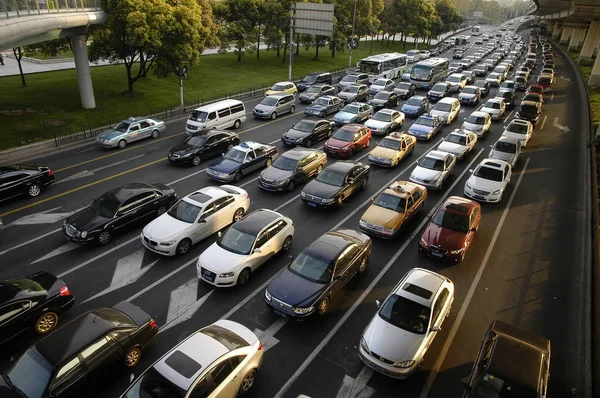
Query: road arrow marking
{"points": [[357, 388], [129, 269], [564, 129], [67, 247], [76, 176], [267, 337], [184, 303], [565, 78], [89, 173], [44, 217]]}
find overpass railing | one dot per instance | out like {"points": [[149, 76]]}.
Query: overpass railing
{"points": [[24, 8]]}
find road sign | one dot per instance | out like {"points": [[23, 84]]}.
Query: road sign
{"points": [[314, 19]]}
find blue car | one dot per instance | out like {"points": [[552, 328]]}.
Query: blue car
{"points": [[426, 126], [415, 106], [242, 159], [323, 106]]}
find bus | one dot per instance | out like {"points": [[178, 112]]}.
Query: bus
{"points": [[476, 30], [424, 74], [387, 65]]}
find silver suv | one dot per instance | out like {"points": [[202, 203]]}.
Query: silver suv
{"points": [[354, 78], [274, 105]]}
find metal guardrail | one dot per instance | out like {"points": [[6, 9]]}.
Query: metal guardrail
{"points": [[24, 8]]}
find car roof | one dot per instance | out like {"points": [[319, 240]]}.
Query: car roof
{"points": [[437, 154], [330, 244], [211, 192], [397, 136], [460, 132], [530, 103], [448, 100], [317, 73], [19, 289], [280, 95], [494, 163], [420, 278], [401, 188], [520, 121], [128, 190], [298, 153], [495, 99], [387, 111], [510, 140], [254, 222], [211, 132], [352, 127], [248, 146], [343, 165], [479, 114], [328, 97], [459, 75]]}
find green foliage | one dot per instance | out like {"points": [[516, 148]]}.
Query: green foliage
{"points": [[49, 49]]}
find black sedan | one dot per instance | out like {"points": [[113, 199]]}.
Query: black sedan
{"points": [[292, 167], [336, 183], [315, 278], [405, 90], [308, 131], [509, 98], [61, 363], [315, 91], [19, 179], [484, 86], [384, 99], [203, 145], [439, 91], [32, 302], [116, 210]]}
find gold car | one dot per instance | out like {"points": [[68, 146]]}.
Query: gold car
{"points": [[282, 87], [392, 149], [397, 204]]}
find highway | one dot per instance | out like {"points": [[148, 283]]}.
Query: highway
{"points": [[525, 266]]}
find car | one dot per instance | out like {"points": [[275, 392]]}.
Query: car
{"points": [[433, 169], [494, 79], [548, 71], [457, 81], [314, 279], [220, 360], [549, 64], [507, 85], [425, 54], [495, 107], [315, 91], [502, 70], [439, 91], [484, 86], [20, 179], [354, 93], [507, 149], [392, 149], [458, 143], [130, 130], [313, 79], [480, 70], [385, 121], [413, 56], [466, 63], [545, 80], [116, 210], [33, 302], [519, 129], [324, 106], [508, 97], [458, 54], [470, 75], [447, 109], [336, 183], [381, 85], [282, 88], [291, 168], [384, 99], [494, 364], [426, 126], [525, 69], [308, 131], [353, 78], [194, 218], [243, 247], [240, 160], [455, 67], [530, 111], [415, 106], [535, 89], [533, 97], [405, 90], [355, 112], [434, 51], [67, 358], [398, 336], [399, 203], [202, 145], [451, 230], [488, 181], [470, 95], [520, 83], [348, 140], [274, 105], [478, 123]]}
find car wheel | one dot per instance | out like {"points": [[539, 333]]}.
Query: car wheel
{"points": [[104, 237], [269, 162], [34, 190], [243, 276], [238, 176], [273, 115], [122, 144], [287, 243], [46, 323], [319, 169], [196, 160], [420, 209], [291, 185], [161, 210], [309, 143], [183, 246], [247, 382], [239, 214], [323, 114], [237, 124], [364, 183], [293, 109], [323, 306], [154, 133], [363, 265], [133, 357]]}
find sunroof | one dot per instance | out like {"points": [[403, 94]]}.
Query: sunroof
{"points": [[200, 197], [417, 291], [183, 364], [458, 208]]}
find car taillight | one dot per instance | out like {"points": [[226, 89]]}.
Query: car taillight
{"points": [[64, 291], [260, 346], [50, 173], [152, 323]]}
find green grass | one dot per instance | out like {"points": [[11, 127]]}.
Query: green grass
{"points": [[62, 54], [50, 103], [594, 92]]}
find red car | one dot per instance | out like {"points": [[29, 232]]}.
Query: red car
{"points": [[535, 89], [451, 229], [348, 140]]}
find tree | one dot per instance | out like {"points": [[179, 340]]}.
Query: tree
{"points": [[237, 18], [49, 48], [18, 51], [449, 15], [277, 20]]}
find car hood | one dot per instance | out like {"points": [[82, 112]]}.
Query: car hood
{"points": [[275, 174], [110, 134], [317, 188], [443, 237], [219, 260], [419, 128], [466, 95], [483, 184], [333, 142], [508, 157], [316, 107], [382, 152], [224, 165], [376, 124], [435, 93], [295, 290], [383, 217], [472, 126], [426, 174], [345, 94], [391, 342], [261, 107], [165, 227], [182, 148], [376, 101], [293, 133], [344, 116], [409, 108], [451, 147], [86, 220], [307, 95]]}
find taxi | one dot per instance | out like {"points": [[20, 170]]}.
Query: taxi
{"points": [[392, 149]]}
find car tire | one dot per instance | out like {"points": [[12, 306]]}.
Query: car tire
{"points": [[319, 169], [196, 160], [363, 186], [237, 124], [273, 115], [122, 144], [293, 109], [183, 246], [104, 237], [323, 306], [239, 214], [269, 162], [247, 382], [323, 115], [34, 190], [243, 277], [291, 185], [363, 265], [287, 243], [133, 356], [238, 176], [309, 143], [412, 150], [161, 210], [154, 134], [46, 323]]}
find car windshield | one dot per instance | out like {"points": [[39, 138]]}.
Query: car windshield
{"points": [[480, 83], [432, 163], [532, 97], [380, 82], [442, 106], [305, 126], [389, 143], [352, 89], [455, 64], [451, 220], [321, 101], [196, 140], [30, 374], [331, 177], [506, 147], [421, 72], [105, 206], [488, 173], [453, 79], [439, 87], [528, 109], [476, 119], [494, 76], [313, 267], [199, 116], [405, 314], [269, 101], [236, 241], [152, 384], [517, 128], [403, 86], [344, 135], [507, 85], [185, 211], [382, 95], [425, 121], [309, 78], [351, 109], [469, 90], [349, 79], [278, 87], [123, 126], [285, 163], [456, 139], [391, 202], [414, 101], [382, 117], [235, 155], [544, 81], [314, 89], [492, 104]]}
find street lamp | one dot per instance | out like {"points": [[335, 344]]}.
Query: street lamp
{"points": [[352, 37]]}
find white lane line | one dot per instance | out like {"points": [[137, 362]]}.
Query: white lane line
{"points": [[89, 173], [463, 309], [30, 241], [117, 163], [552, 96], [67, 247], [371, 286], [357, 388], [187, 176], [267, 337], [509, 115], [184, 303], [543, 122], [161, 280], [41, 218], [88, 149]]}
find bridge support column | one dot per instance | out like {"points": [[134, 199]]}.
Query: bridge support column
{"points": [[592, 39], [566, 35], [594, 79], [576, 39], [557, 30], [84, 76]]}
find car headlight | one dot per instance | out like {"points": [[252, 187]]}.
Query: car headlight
{"points": [[424, 242], [302, 194], [168, 243], [405, 364], [388, 231], [496, 192], [456, 251], [302, 311], [226, 274], [363, 344], [362, 223], [327, 200], [187, 155], [268, 295], [469, 185]]}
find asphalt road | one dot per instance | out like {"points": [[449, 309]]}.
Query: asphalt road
{"points": [[524, 267]]}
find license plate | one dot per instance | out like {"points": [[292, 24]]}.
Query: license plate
{"points": [[311, 204], [380, 369], [208, 277], [436, 254], [281, 314], [478, 197]]}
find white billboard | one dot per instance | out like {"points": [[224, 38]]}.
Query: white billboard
{"points": [[314, 19], [478, 14]]}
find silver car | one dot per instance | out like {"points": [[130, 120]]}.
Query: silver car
{"points": [[507, 149], [381, 85], [433, 169], [274, 105], [130, 130]]}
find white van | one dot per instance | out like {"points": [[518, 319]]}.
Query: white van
{"points": [[220, 115]]}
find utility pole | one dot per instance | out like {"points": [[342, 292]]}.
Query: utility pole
{"points": [[292, 9], [352, 38], [182, 73]]}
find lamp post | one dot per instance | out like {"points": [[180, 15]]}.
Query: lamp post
{"points": [[352, 38]]}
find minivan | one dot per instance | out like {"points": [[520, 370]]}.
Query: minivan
{"points": [[274, 105], [220, 115], [314, 78], [413, 56]]}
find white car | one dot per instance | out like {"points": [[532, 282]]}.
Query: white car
{"points": [[478, 123], [494, 79], [507, 149], [397, 338], [457, 80], [195, 217], [447, 108], [519, 129], [433, 169], [495, 107], [385, 121], [425, 54], [244, 247], [488, 181], [458, 143], [381, 85], [470, 95], [220, 360]]}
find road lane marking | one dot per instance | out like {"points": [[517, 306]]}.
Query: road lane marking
{"points": [[357, 388], [543, 122], [267, 337], [43, 217], [65, 248], [463, 309], [371, 286], [29, 241], [509, 115], [161, 280], [89, 173], [184, 303]]}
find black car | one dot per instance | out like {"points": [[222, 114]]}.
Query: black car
{"points": [[308, 131], [509, 98], [384, 99], [336, 183], [203, 145], [484, 86], [32, 302], [530, 110], [314, 78], [511, 362], [439, 91], [315, 91], [116, 210], [291, 168], [19, 179], [405, 90], [316, 278], [60, 363]]}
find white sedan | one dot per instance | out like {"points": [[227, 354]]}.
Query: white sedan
{"points": [[519, 129], [488, 181], [397, 338], [495, 107], [244, 247], [195, 217], [458, 143], [478, 123], [433, 169]]}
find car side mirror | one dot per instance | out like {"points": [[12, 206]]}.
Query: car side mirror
{"points": [[337, 277], [219, 234], [291, 257], [465, 383], [471, 171], [378, 303], [372, 199], [202, 221], [258, 250], [222, 153], [436, 329], [12, 359]]}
